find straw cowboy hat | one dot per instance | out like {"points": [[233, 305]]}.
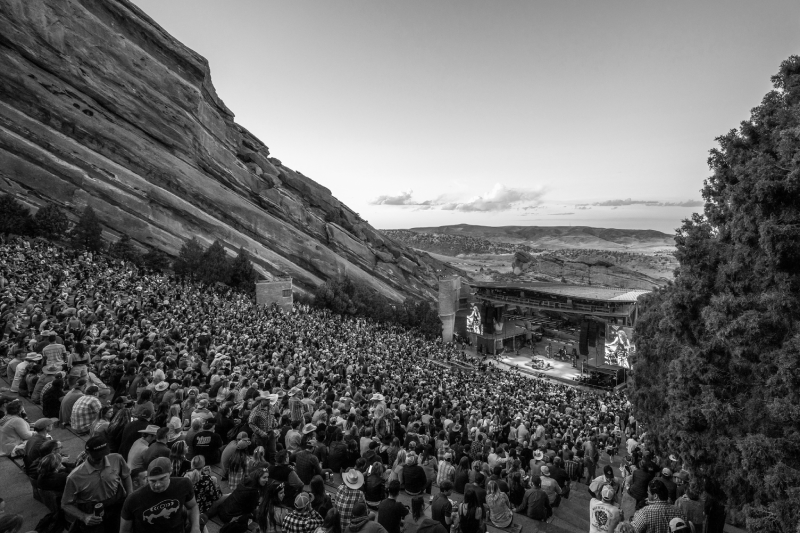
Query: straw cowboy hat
{"points": [[353, 479]]}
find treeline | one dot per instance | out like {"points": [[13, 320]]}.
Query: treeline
{"points": [[210, 265], [349, 297]]}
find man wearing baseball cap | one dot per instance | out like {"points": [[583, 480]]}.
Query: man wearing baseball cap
{"points": [[303, 519], [603, 514], [105, 479], [162, 504]]}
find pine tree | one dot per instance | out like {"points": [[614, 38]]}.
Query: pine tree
{"points": [[716, 378], [14, 217], [51, 222], [155, 259], [242, 274], [125, 250], [215, 266], [87, 233], [189, 259]]}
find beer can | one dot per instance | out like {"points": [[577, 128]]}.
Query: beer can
{"points": [[98, 509]]}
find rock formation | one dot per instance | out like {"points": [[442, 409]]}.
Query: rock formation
{"points": [[100, 106], [584, 272]]}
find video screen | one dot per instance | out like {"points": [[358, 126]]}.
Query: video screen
{"points": [[474, 321], [619, 346]]}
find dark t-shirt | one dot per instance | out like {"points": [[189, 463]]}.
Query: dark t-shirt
{"points": [[391, 514], [441, 508], [153, 512], [207, 444]]}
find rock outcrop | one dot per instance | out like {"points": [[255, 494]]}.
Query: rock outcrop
{"points": [[584, 272], [100, 106]]}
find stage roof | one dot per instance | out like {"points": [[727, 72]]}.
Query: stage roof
{"points": [[606, 294]]}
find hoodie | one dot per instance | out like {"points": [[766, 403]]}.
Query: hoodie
{"points": [[428, 525], [363, 524]]}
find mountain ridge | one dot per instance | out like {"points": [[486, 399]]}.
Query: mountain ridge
{"points": [[102, 107]]}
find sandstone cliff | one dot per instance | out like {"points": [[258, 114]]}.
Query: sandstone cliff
{"points": [[100, 106]]}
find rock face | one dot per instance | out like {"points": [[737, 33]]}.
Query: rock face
{"points": [[100, 106], [598, 272]]}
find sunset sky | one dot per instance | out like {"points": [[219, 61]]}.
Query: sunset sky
{"points": [[433, 112]]}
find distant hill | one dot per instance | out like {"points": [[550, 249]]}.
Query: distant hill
{"points": [[561, 237]]}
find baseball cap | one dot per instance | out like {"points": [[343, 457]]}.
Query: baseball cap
{"points": [[677, 525], [159, 466], [608, 493], [42, 423], [608, 471], [302, 500], [96, 444], [666, 472]]}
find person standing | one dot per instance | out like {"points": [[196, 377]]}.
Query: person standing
{"points": [[85, 410], [159, 505], [603, 514], [262, 422], [105, 479]]}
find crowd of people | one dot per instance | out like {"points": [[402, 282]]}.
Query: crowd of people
{"points": [[167, 378]]}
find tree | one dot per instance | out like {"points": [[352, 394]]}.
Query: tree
{"points": [[242, 274], [14, 217], [87, 233], [717, 372], [155, 259], [215, 266], [51, 222], [125, 250], [189, 259]]}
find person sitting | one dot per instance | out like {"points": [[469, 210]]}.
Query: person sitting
{"points": [[244, 500], [414, 477], [206, 488], [14, 430]]}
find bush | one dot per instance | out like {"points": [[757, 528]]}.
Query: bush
{"points": [[51, 222], [14, 217]]}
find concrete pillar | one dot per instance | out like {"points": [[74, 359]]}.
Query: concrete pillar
{"points": [[449, 289]]}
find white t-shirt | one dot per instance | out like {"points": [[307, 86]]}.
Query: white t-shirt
{"points": [[603, 517]]}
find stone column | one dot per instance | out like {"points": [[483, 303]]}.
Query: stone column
{"points": [[449, 289]]}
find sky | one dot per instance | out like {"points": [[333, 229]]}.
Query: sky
{"points": [[436, 112]]}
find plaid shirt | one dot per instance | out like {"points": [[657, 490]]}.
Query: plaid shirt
{"points": [[440, 453], [84, 412], [574, 469], [446, 472], [345, 499], [305, 521], [54, 354], [261, 421], [655, 517]]}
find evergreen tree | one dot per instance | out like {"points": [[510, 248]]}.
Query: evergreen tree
{"points": [[125, 250], [189, 259], [51, 222], [215, 266], [14, 217], [155, 259], [716, 378], [242, 274], [87, 233]]}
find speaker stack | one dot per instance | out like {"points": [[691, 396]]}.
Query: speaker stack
{"points": [[583, 345]]}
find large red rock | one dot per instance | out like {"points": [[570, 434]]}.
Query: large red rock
{"points": [[100, 106]]}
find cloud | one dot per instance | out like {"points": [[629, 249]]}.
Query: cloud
{"points": [[559, 214], [582, 206], [648, 203], [499, 198]]}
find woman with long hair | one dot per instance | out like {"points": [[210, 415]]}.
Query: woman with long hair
{"points": [[100, 425], [162, 415], [374, 485], [498, 506], [239, 463], [322, 502], [462, 475], [177, 456], [244, 500], [259, 458], [206, 488], [397, 467], [429, 465], [51, 398], [144, 401], [416, 516], [470, 513], [272, 510], [516, 490], [52, 474]]}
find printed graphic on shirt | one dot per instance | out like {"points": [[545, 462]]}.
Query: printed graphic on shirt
{"points": [[163, 510], [203, 441], [601, 518]]}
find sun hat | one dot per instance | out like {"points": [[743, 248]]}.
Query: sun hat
{"points": [[538, 455], [353, 479], [161, 386], [51, 370], [43, 423]]}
